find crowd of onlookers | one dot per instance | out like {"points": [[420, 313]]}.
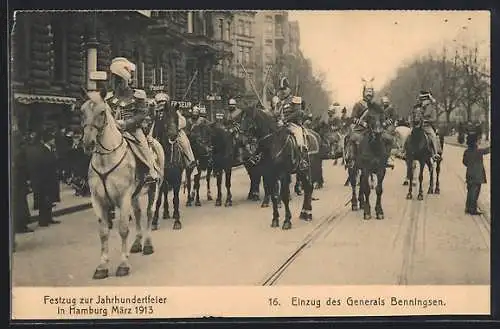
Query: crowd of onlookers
{"points": [[41, 161]]}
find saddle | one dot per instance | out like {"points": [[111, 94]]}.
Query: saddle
{"points": [[136, 149]]}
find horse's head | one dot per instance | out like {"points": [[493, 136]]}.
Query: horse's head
{"points": [[257, 122], [171, 121], [374, 121], [95, 118]]}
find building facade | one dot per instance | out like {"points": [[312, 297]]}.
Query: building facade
{"points": [[244, 47]]}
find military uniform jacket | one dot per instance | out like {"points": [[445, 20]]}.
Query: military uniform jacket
{"points": [[360, 108], [291, 112], [132, 109], [430, 112], [473, 160]]}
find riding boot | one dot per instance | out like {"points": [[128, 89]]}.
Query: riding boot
{"points": [[351, 155]]}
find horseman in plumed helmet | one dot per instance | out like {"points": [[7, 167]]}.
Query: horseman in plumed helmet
{"points": [[427, 104], [358, 114], [197, 117], [232, 120], [289, 111], [162, 99], [130, 109]]}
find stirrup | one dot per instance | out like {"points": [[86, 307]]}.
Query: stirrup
{"points": [[149, 179]]}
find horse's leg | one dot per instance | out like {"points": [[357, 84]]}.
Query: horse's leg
{"points": [[126, 210], [365, 187], [138, 213], [197, 179], [298, 188], [408, 173], [152, 195], [431, 176], [189, 201], [157, 206], [420, 195], [218, 201], [306, 212], [267, 192], [229, 196], [209, 192], [379, 211], [285, 197], [177, 215], [272, 181], [352, 180], [438, 170], [409, 176], [361, 194], [102, 270], [166, 212]]}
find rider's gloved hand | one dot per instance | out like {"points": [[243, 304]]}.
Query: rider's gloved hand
{"points": [[121, 124]]}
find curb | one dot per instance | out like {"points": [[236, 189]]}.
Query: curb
{"points": [[88, 205]]}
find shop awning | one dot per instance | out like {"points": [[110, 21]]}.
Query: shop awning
{"points": [[44, 99]]}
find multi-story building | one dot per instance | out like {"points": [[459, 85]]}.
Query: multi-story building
{"points": [[272, 43], [51, 58], [243, 47], [294, 37]]}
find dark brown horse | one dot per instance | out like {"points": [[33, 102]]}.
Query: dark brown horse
{"points": [[222, 160]]}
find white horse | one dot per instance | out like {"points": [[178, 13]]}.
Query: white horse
{"points": [[116, 181]]}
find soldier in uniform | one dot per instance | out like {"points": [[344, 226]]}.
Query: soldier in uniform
{"points": [[359, 111], [232, 120], [333, 118], [389, 127], [129, 108], [197, 118], [427, 103], [163, 98], [289, 112]]}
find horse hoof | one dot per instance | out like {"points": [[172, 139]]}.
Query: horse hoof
{"points": [[177, 225], [380, 216], [101, 273], [437, 191], [354, 207], [166, 216], [209, 198], [279, 205], [409, 196], [197, 203], [286, 225], [367, 216], [122, 271], [148, 250], [405, 183], [136, 248], [264, 205], [154, 227], [228, 204], [218, 203], [420, 197], [309, 217], [275, 223], [188, 204]]}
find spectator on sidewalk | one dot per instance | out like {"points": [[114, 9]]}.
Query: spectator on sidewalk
{"points": [[20, 209], [475, 174], [42, 168], [63, 146]]}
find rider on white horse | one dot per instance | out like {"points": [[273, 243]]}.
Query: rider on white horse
{"points": [[129, 108], [427, 103], [163, 98], [288, 110]]}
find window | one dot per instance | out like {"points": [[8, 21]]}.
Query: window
{"points": [[240, 54], [228, 31], [249, 29], [21, 52], [221, 28], [246, 58], [241, 27], [60, 49], [268, 53]]}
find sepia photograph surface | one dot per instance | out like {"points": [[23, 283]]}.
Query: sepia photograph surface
{"points": [[340, 158]]}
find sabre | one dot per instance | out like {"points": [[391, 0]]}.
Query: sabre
{"points": [[189, 85], [253, 86]]}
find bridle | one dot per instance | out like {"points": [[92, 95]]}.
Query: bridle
{"points": [[100, 131]]}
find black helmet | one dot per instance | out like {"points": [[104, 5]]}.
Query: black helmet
{"points": [[284, 83]]}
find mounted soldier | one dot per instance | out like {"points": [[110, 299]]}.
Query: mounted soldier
{"points": [[232, 121], [130, 110], [427, 104], [289, 111], [334, 121], [162, 99], [359, 112], [389, 127], [198, 116]]}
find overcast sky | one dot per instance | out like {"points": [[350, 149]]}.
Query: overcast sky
{"points": [[350, 45]]}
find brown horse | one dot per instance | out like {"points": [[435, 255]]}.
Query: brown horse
{"points": [[116, 181]]}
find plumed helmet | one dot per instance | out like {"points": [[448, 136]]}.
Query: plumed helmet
{"points": [[162, 97], [122, 67], [219, 116], [232, 102], [284, 83], [425, 95], [368, 87], [196, 110], [385, 100]]}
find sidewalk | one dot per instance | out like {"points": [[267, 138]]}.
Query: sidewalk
{"points": [[452, 140], [71, 203]]}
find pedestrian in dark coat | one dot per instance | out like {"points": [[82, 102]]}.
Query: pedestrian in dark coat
{"points": [[475, 174], [42, 168], [20, 209]]}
